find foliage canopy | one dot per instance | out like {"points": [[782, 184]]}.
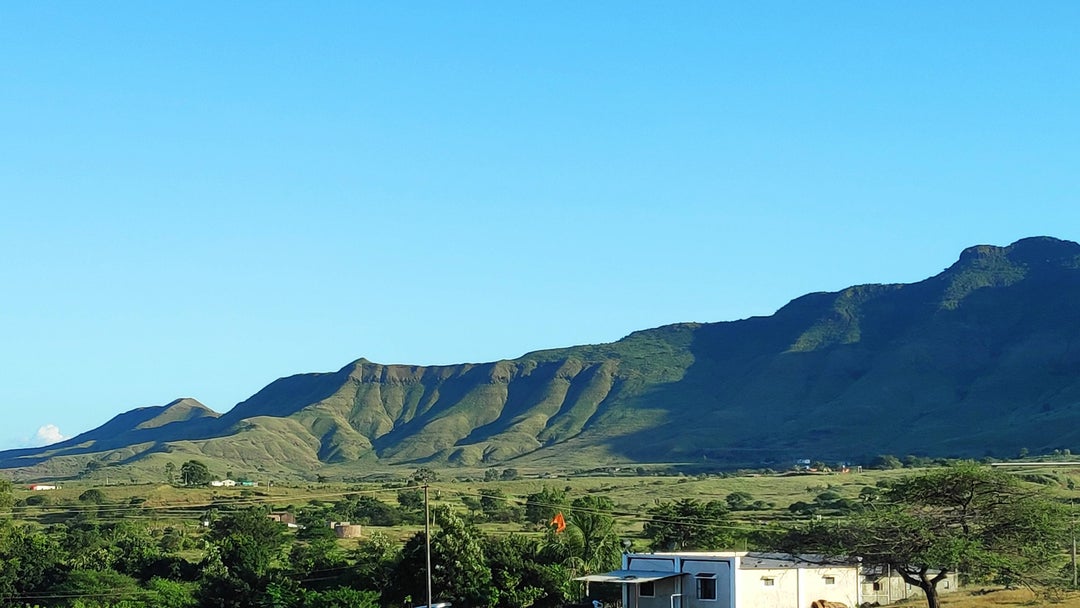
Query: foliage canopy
{"points": [[963, 517]]}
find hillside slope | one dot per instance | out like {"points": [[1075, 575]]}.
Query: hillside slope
{"points": [[982, 359]]}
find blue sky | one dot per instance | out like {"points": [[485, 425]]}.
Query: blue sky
{"points": [[198, 199]]}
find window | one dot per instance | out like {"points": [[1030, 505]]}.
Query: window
{"points": [[647, 589], [706, 586], [946, 583], [767, 581], [877, 586], [830, 580]]}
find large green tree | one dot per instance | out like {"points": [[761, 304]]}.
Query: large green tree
{"points": [[459, 572], [963, 517], [375, 562], [689, 525], [542, 506], [29, 560], [247, 547], [320, 560], [195, 473]]}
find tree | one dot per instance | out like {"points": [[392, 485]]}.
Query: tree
{"points": [[589, 543], [246, 545], [93, 495], [424, 475], [164, 593], [519, 574], [7, 498], [739, 501], [496, 506], [194, 473], [963, 517], [411, 499], [689, 525], [29, 560], [107, 583], [459, 572], [338, 597], [250, 542], [886, 461], [368, 510], [542, 506], [133, 550], [374, 562], [320, 556], [170, 473]]}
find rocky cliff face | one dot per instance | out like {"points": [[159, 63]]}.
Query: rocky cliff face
{"points": [[982, 359]]}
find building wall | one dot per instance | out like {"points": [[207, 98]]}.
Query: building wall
{"points": [[741, 587], [663, 589], [894, 588], [796, 587], [751, 590], [718, 570]]}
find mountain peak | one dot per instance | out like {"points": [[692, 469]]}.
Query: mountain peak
{"points": [[184, 403], [176, 410], [1030, 250], [978, 358]]}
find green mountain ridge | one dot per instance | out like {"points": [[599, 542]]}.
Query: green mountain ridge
{"points": [[982, 359]]}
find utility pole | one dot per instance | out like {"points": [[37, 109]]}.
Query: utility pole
{"points": [[1074, 559], [1072, 553], [427, 542]]}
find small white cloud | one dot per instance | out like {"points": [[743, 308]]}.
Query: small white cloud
{"points": [[50, 433]]}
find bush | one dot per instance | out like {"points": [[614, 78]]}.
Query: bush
{"points": [[92, 495]]}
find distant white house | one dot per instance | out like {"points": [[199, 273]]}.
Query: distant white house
{"points": [[37, 487], [227, 483]]}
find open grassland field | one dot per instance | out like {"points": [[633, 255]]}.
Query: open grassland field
{"points": [[632, 494], [998, 598], [390, 506]]}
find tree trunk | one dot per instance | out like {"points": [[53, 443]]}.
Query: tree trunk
{"points": [[930, 589], [924, 581]]}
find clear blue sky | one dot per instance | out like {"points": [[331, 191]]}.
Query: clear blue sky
{"points": [[199, 198]]}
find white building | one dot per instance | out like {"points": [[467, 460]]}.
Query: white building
{"points": [[733, 579], [884, 585]]}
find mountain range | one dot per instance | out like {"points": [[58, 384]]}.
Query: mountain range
{"points": [[982, 359]]}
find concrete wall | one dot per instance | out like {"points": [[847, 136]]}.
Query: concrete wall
{"points": [[796, 587], [347, 530], [751, 587], [893, 588]]}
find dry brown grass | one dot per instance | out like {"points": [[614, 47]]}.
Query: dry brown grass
{"points": [[1000, 598]]}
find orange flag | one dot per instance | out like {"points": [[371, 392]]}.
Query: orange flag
{"points": [[559, 522]]}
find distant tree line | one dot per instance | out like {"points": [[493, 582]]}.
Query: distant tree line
{"points": [[241, 558]]}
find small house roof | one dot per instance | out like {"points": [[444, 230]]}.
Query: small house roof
{"points": [[635, 577], [775, 561]]}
